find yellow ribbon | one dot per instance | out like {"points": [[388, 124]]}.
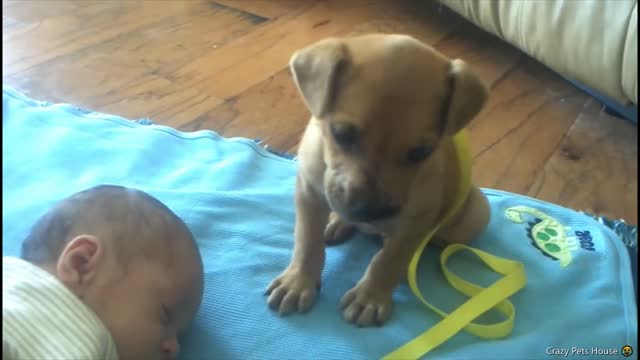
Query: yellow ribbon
{"points": [[481, 299]]}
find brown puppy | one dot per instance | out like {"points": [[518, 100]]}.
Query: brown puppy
{"points": [[377, 156]]}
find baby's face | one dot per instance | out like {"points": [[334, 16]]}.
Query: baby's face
{"points": [[151, 305]]}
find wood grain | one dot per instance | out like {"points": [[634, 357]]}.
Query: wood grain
{"points": [[272, 104], [270, 9], [595, 167], [222, 65], [522, 127]]}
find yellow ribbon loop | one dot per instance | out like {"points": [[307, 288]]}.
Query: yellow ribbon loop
{"points": [[481, 299]]}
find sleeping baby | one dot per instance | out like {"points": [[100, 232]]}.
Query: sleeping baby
{"points": [[108, 273]]}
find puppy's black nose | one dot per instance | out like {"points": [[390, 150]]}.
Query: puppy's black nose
{"points": [[362, 210]]}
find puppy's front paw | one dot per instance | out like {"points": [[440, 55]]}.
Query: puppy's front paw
{"points": [[337, 231], [292, 291], [366, 306]]}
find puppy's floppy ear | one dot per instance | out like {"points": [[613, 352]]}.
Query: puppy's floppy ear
{"points": [[466, 96], [315, 71]]}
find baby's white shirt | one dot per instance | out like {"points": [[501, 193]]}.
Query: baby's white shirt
{"points": [[43, 319]]}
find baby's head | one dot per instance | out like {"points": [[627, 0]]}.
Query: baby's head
{"points": [[130, 259]]}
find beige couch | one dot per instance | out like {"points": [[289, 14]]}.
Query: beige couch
{"points": [[592, 42]]}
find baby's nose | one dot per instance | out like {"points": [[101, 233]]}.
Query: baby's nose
{"points": [[171, 348]]}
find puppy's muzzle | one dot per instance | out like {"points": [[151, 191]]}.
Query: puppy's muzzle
{"points": [[362, 210], [359, 199]]}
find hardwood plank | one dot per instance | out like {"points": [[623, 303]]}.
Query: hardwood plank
{"points": [[91, 24], [595, 168], [253, 58], [270, 9], [254, 18], [527, 117], [271, 111], [36, 10], [105, 77], [10, 29], [157, 99]]}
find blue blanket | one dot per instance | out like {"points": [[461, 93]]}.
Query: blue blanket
{"points": [[237, 199]]}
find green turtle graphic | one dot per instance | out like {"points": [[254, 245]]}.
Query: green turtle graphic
{"points": [[547, 233]]}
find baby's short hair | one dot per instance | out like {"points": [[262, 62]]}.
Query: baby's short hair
{"points": [[136, 222]]}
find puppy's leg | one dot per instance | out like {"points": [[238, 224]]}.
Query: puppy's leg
{"points": [[337, 231], [295, 288], [369, 302], [469, 223]]}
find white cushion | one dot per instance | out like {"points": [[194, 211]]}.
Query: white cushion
{"points": [[630, 59], [587, 40]]}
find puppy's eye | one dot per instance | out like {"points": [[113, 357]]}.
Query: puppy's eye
{"points": [[165, 315], [344, 134], [419, 153]]}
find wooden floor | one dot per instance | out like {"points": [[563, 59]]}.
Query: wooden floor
{"points": [[222, 65]]}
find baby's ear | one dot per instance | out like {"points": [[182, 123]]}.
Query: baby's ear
{"points": [[78, 263]]}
